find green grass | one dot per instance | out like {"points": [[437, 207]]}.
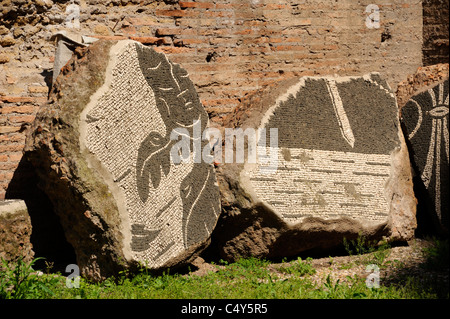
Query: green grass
{"points": [[437, 255], [19, 281], [299, 268], [245, 279]]}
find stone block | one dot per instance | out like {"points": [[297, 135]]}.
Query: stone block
{"points": [[102, 150], [15, 231], [331, 163], [425, 117]]}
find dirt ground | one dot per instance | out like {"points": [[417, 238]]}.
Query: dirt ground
{"points": [[398, 262]]}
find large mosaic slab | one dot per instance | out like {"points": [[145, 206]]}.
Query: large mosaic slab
{"points": [[153, 210], [334, 150], [128, 127], [342, 164], [425, 117]]}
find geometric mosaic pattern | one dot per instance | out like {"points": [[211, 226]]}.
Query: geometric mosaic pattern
{"points": [[335, 142], [425, 117]]}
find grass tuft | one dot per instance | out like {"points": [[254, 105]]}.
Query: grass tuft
{"points": [[249, 278]]}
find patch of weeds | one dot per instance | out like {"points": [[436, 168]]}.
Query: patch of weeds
{"points": [[380, 254], [299, 267], [349, 265], [330, 260], [335, 289], [373, 252], [360, 246], [437, 256], [19, 280], [398, 264]]}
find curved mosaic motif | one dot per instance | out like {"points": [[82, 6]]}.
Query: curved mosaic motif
{"points": [[426, 120], [170, 206]]}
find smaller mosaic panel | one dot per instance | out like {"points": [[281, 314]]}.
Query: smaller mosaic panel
{"points": [[425, 117]]}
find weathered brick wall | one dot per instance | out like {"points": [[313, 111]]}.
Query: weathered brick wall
{"points": [[230, 47], [435, 31]]}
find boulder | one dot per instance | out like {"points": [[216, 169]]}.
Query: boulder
{"points": [[102, 148], [332, 163], [15, 231], [425, 118]]}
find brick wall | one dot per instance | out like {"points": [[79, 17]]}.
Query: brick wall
{"points": [[435, 31], [230, 47]]}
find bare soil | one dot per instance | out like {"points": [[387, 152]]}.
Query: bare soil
{"points": [[398, 263]]}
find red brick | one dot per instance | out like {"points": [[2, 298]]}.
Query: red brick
{"points": [[109, 37], [216, 102], [141, 21], [168, 31], [187, 42], [21, 118], [11, 148], [272, 6], [15, 157], [256, 40], [8, 166], [218, 14], [129, 30], [203, 5], [174, 50], [32, 99], [225, 5], [38, 89], [324, 47], [23, 109], [6, 176], [245, 14], [9, 129], [177, 13], [17, 99], [262, 74], [150, 40], [219, 110], [288, 48], [244, 32], [17, 137], [255, 23]]}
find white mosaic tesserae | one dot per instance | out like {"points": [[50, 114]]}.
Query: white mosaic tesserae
{"points": [[127, 128]]}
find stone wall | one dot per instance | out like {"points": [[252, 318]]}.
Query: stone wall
{"points": [[435, 31], [15, 231], [231, 48]]}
